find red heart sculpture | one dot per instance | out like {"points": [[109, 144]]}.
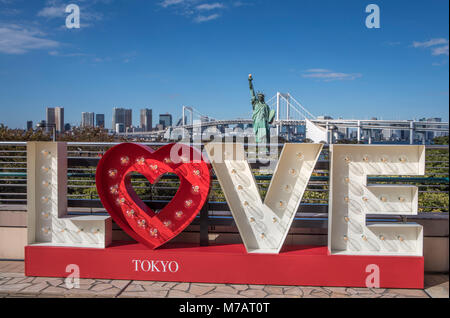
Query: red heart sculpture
{"points": [[130, 212]]}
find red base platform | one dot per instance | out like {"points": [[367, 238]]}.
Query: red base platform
{"points": [[295, 265]]}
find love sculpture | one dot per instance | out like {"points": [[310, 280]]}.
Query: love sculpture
{"points": [[56, 239]]}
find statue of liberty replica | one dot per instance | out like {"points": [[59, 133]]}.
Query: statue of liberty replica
{"points": [[262, 115]]}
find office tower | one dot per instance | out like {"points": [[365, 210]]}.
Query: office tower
{"points": [[29, 124], [59, 119], [120, 128], [50, 122], [100, 120], [122, 116], [146, 119], [165, 120], [87, 119], [55, 119]]}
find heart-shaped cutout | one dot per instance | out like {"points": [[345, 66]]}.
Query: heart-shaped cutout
{"points": [[116, 193]]}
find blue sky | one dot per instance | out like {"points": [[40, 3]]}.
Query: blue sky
{"points": [[163, 54]]}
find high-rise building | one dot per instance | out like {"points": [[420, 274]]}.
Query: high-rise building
{"points": [[120, 128], [59, 119], [100, 120], [122, 116], [165, 120], [29, 124], [87, 119], [146, 119], [50, 122], [55, 119]]}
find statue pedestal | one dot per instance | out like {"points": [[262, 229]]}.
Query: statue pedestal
{"points": [[295, 265]]}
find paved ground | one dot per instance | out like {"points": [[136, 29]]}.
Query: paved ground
{"points": [[13, 283]]}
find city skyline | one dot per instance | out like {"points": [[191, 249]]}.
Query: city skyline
{"points": [[156, 55]]}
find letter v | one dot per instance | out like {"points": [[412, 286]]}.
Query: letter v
{"points": [[263, 226]]}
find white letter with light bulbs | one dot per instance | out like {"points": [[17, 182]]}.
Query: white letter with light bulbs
{"points": [[352, 199], [48, 222], [263, 226]]}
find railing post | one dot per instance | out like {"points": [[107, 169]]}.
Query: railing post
{"points": [[204, 224]]}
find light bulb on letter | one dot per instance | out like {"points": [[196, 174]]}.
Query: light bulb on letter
{"points": [[179, 214], [154, 232], [112, 173], [142, 224], [195, 189], [45, 169], [46, 153], [140, 161], [124, 161], [188, 203], [114, 189]]}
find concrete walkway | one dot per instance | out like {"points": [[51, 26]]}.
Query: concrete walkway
{"points": [[13, 283]]}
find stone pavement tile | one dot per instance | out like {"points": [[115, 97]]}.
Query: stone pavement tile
{"points": [[101, 287], [11, 267], [53, 281], [407, 293], [13, 288], [12, 275], [179, 294], [182, 287], [220, 295], [61, 291], [120, 283], [296, 292], [76, 293], [201, 289], [280, 296], [169, 285], [256, 286], [273, 290], [253, 293], [239, 287], [362, 292], [145, 294], [437, 285], [14, 280], [146, 290], [332, 290], [28, 280], [35, 288], [133, 287], [317, 292], [223, 289]]}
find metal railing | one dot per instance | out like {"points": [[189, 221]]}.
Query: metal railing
{"points": [[83, 198]]}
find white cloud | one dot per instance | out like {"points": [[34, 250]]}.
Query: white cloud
{"points": [[195, 9], [328, 75], [443, 50], [209, 6], [438, 46], [430, 43], [317, 70], [16, 39], [168, 3], [53, 11], [203, 18]]}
